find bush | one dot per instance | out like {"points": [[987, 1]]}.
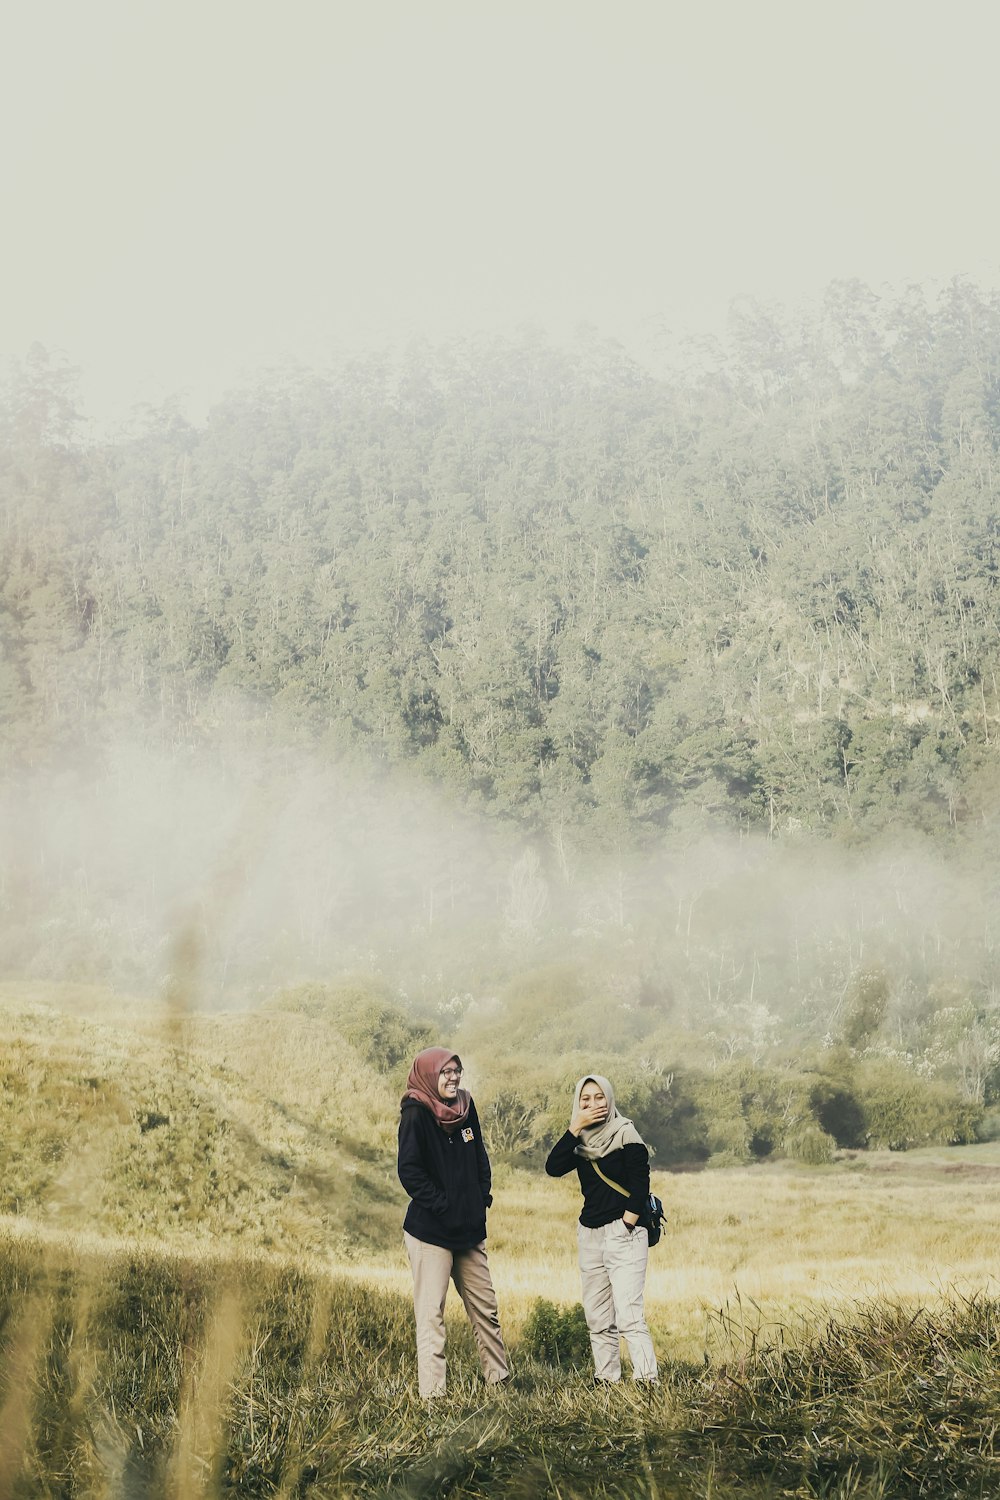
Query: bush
{"points": [[747, 1109], [508, 1120], [729, 1140], [556, 1009], [864, 1006], [557, 1336], [833, 1102], [902, 1110], [664, 1106], [538, 1012], [810, 1144], [363, 1010]]}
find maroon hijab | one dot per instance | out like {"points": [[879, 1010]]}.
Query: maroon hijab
{"points": [[422, 1085]]}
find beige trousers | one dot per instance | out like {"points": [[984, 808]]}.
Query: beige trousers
{"points": [[433, 1267], [613, 1274]]}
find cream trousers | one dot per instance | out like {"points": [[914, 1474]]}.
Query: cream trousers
{"points": [[613, 1274], [433, 1267]]}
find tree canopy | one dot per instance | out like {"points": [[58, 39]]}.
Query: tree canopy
{"points": [[592, 601]]}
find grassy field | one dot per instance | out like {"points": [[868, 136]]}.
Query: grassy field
{"points": [[789, 1246], [794, 1242], [133, 1372], [203, 1292]]}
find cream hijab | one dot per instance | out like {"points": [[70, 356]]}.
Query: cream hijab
{"points": [[615, 1132]]}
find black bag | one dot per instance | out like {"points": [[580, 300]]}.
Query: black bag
{"points": [[652, 1215], [653, 1218]]}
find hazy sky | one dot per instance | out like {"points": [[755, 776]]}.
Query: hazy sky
{"points": [[192, 188]]}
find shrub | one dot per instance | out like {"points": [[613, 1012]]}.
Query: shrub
{"points": [[508, 1121], [363, 1010], [555, 1009], [864, 1006], [536, 1011], [729, 1141], [747, 1110], [833, 1102], [667, 1112], [810, 1144], [557, 1336], [902, 1110]]}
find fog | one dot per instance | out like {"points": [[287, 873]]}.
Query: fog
{"points": [[256, 867], [201, 189]]}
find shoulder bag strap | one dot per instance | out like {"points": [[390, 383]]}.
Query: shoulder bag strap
{"points": [[610, 1182]]}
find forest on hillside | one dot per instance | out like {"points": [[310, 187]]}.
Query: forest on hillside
{"points": [[465, 663], [760, 593]]}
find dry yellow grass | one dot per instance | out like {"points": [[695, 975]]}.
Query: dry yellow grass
{"points": [[780, 1244], [777, 1245]]}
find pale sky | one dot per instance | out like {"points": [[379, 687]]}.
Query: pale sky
{"points": [[194, 187]]}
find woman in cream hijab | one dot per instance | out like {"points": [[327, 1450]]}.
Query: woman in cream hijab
{"points": [[612, 1161]]}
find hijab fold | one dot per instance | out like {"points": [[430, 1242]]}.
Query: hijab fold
{"points": [[422, 1085], [616, 1131]]}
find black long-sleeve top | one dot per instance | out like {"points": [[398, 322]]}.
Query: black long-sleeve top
{"points": [[447, 1177], [628, 1166]]}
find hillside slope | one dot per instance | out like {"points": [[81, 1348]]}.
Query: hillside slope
{"points": [[135, 1121]]}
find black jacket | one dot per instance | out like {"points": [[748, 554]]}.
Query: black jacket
{"points": [[447, 1177], [628, 1166]]}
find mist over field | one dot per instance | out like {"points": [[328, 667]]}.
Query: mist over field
{"points": [[269, 868]]}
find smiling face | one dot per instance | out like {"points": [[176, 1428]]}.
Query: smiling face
{"points": [[593, 1100], [448, 1080]]}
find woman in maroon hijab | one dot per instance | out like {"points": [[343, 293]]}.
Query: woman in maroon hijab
{"points": [[443, 1166]]}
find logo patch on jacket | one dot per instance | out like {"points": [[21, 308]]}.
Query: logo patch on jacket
{"points": [[468, 1134]]}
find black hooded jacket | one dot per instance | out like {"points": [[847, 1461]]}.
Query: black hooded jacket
{"points": [[447, 1177]]}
